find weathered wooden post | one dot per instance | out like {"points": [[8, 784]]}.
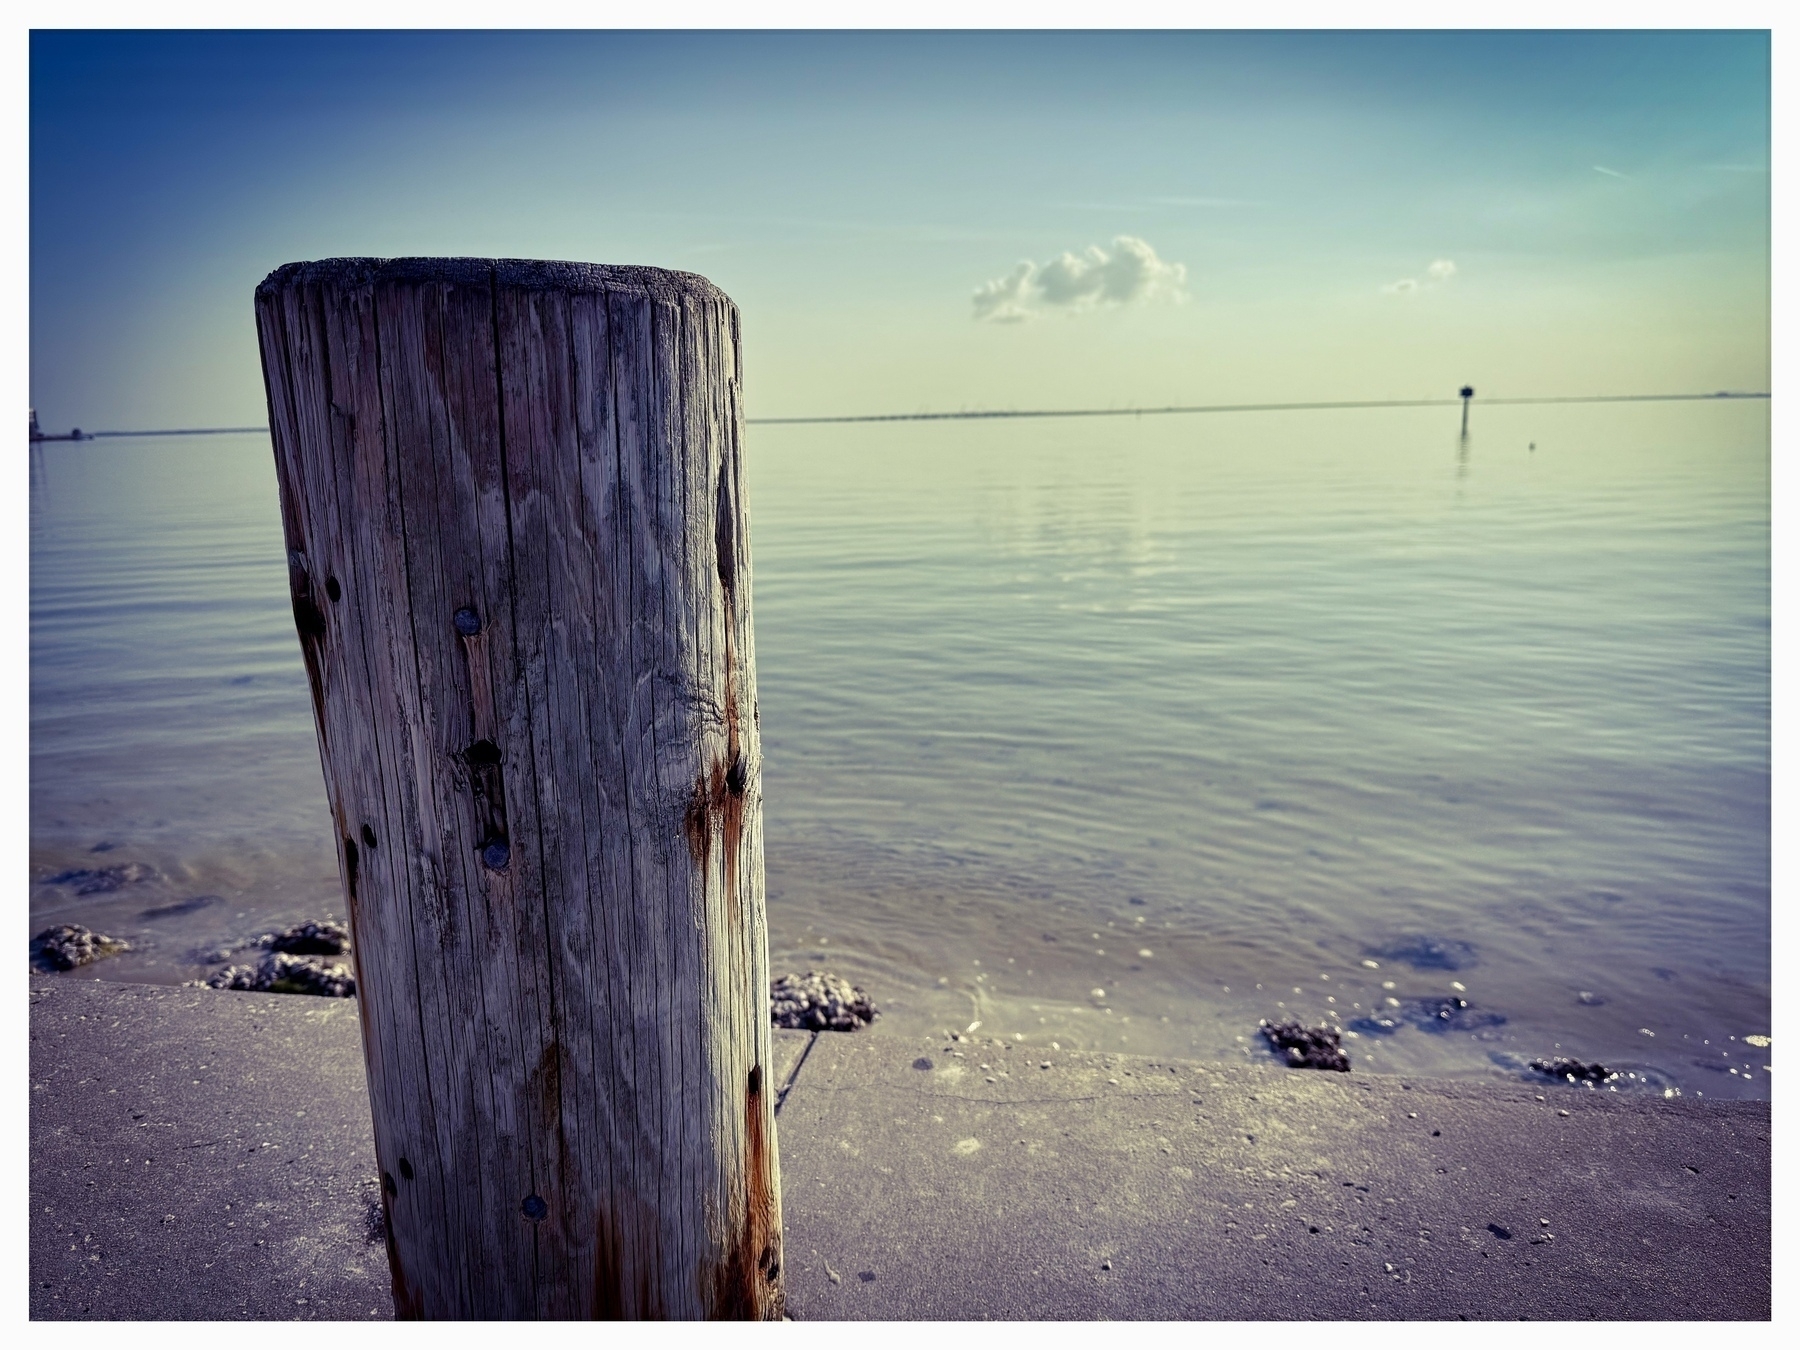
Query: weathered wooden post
{"points": [[512, 495]]}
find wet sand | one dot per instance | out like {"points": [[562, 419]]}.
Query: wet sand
{"points": [[206, 1154]]}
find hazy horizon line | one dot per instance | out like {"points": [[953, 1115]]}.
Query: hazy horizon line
{"points": [[995, 414]]}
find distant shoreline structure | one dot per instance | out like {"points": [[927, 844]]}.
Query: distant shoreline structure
{"points": [[1004, 414], [37, 434]]}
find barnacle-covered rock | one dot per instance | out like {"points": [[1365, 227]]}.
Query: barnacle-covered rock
{"points": [[285, 973], [68, 945], [314, 938], [1572, 1070], [819, 1001], [1304, 1047]]}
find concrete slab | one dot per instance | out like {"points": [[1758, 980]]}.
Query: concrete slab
{"points": [[945, 1180], [205, 1154]]}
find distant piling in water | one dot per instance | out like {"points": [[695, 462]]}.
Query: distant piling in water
{"points": [[1466, 393]]}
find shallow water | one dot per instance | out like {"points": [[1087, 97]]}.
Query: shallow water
{"points": [[1117, 734]]}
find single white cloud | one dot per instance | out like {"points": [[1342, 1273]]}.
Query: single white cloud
{"points": [[1129, 272], [1610, 173], [1436, 274]]}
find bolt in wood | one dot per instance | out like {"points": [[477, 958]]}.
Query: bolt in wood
{"points": [[536, 686]]}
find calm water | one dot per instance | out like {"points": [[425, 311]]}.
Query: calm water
{"points": [[1115, 734]]}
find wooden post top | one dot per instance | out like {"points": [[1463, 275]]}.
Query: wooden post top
{"points": [[518, 274]]}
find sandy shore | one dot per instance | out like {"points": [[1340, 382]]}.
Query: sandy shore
{"points": [[206, 1154]]}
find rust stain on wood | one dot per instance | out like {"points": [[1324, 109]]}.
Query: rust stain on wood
{"points": [[747, 1284], [696, 823], [717, 804], [611, 1303], [717, 801], [731, 822]]}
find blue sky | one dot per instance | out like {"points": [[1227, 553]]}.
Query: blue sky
{"points": [[1595, 204]]}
